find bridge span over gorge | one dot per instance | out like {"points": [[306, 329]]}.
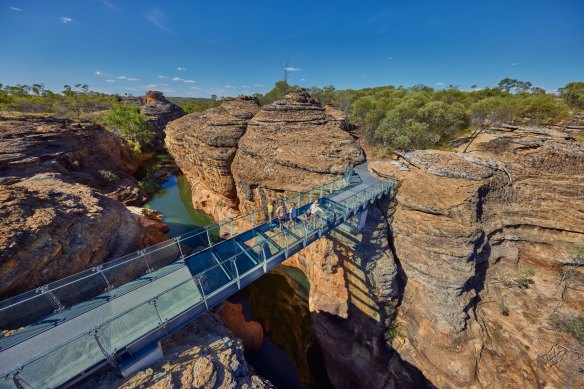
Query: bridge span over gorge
{"points": [[118, 312]]}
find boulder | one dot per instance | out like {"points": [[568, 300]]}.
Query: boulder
{"points": [[56, 214]]}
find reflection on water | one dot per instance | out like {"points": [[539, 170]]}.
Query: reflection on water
{"points": [[174, 201]]}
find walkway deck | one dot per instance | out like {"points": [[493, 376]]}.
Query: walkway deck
{"points": [[122, 308]]}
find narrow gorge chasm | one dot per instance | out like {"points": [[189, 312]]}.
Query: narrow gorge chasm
{"points": [[452, 284], [457, 281]]}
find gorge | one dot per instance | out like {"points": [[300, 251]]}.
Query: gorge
{"points": [[451, 285]]}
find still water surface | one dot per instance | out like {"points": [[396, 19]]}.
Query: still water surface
{"points": [[174, 201]]}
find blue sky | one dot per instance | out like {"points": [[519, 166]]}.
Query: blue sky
{"points": [[199, 48]]}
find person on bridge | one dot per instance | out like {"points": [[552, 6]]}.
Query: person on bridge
{"points": [[270, 212], [281, 212], [293, 215], [315, 211]]}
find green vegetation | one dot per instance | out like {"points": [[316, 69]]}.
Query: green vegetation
{"points": [[129, 124], [398, 118], [195, 104], [573, 94], [524, 279], [107, 177], [503, 309], [149, 185], [73, 101], [389, 117], [393, 333], [571, 324]]}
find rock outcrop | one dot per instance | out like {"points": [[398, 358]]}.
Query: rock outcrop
{"points": [[251, 332], [56, 214], [488, 245], [292, 145], [204, 145], [159, 112], [201, 355], [288, 146]]}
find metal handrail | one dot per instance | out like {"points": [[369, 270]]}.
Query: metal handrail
{"points": [[137, 255]]}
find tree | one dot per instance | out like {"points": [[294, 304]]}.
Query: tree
{"points": [[129, 124], [573, 94], [510, 84]]}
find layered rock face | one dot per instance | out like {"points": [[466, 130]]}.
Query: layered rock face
{"points": [[288, 146], [203, 354], [159, 112], [55, 219], [292, 145], [489, 247], [354, 292], [204, 144]]}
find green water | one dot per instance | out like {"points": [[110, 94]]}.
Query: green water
{"points": [[174, 201]]}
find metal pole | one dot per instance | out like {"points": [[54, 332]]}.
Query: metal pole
{"points": [[51, 297], [103, 277], [202, 291], [146, 260], [182, 255], [264, 258], [209, 237], [161, 323], [233, 261]]}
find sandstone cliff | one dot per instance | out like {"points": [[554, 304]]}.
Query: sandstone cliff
{"points": [[204, 145], [288, 146], [292, 145], [59, 181], [488, 246]]}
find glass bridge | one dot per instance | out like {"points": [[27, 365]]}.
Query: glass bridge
{"points": [[116, 312]]}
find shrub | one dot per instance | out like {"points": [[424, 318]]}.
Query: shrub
{"points": [[523, 280], [107, 177], [503, 309], [571, 324], [149, 185], [393, 333], [129, 124]]}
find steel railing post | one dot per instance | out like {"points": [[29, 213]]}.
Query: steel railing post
{"points": [[198, 278], [108, 356], [182, 255], [44, 290], [143, 252], [208, 237], [238, 280], [264, 259], [99, 269]]}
